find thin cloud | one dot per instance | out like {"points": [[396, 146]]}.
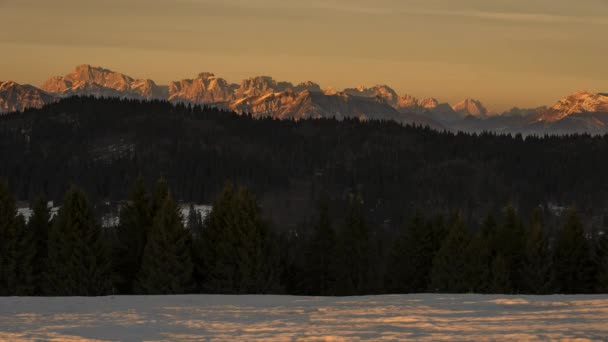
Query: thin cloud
{"points": [[511, 16], [473, 14]]}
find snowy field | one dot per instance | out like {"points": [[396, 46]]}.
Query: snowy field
{"points": [[286, 318]]}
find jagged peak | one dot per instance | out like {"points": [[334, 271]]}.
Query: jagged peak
{"points": [[261, 78], [471, 106], [206, 75], [7, 84], [583, 93], [329, 91], [4, 85], [88, 67]]}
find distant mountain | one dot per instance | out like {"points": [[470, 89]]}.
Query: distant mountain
{"points": [[206, 88], [264, 96], [306, 104], [264, 85], [581, 112], [17, 97], [88, 80], [471, 107], [384, 92], [428, 108], [579, 102], [522, 112]]}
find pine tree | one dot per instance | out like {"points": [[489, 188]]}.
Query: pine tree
{"points": [[320, 253], [132, 234], [508, 241], [602, 264], [479, 263], [161, 191], [352, 262], [572, 259], [9, 242], [78, 261], [411, 258], [39, 225], [536, 268], [501, 277], [26, 253], [166, 266], [449, 265], [234, 249]]}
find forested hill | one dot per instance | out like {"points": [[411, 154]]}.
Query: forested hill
{"points": [[104, 144]]}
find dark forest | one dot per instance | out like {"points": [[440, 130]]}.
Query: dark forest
{"points": [[322, 207]]}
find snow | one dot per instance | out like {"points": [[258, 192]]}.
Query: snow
{"points": [[112, 219], [421, 317], [201, 209], [28, 212]]}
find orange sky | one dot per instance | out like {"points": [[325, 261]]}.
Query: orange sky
{"points": [[504, 52]]}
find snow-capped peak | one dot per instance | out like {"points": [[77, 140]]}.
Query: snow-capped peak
{"points": [[582, 101], [471, 107]]}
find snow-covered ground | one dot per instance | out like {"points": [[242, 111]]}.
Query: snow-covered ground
{"points": [[284, 318]]}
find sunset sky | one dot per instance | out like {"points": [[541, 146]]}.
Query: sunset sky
{"points": [[503, 52]]}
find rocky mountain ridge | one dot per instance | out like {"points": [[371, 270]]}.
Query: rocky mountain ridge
{"points": [[264, 96]]}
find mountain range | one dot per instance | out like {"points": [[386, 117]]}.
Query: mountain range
{"points": [[263, 96]]}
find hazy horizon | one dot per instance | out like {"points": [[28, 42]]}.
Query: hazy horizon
{"points": [[505, 53]]}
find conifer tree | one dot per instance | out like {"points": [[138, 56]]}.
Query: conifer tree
{"points": [[159, 195], [479, 263], [26, 253], [131, 236], [166, 266], [508, 241], [38, 226], [501, 277], [320, 253], [601, 262], [572, 259], [352, 262], [234, 248], [536, 268], [9, 242], [602, 281], [449, 265], [411, 258], [78, 261]]}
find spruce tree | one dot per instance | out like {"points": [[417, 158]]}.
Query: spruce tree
{"points": [[78, 262], [9, 242], [602, 263], [38, 226], [536, 268], [478, 254], [131, 235], [501, 277], [320, 253], [411, 258], [508, 241], [602, 274], [166, 266], [26, 254], [234, 250], [159, 195], [449, 272], [352, 266], [572, 259]]}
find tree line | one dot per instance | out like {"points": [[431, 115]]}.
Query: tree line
{"points": [[237, 250], [103, 145]]}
